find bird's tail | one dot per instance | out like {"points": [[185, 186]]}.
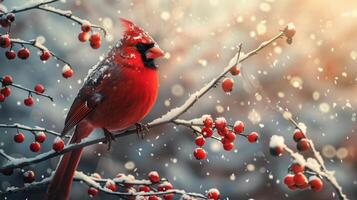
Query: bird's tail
{"points": [[60, 185]]}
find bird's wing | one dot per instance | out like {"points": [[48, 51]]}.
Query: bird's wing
{"points": [[88, 97]]}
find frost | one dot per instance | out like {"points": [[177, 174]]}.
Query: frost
{"points": [[276, 141]]}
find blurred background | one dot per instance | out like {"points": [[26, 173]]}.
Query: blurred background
{"points": [[315, 78]]}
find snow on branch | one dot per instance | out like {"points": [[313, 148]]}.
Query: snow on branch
{"points": [[170, 117], [109, 186], [31, 129]]}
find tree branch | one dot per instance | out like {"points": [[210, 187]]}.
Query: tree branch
{"points": [[31, 129]]}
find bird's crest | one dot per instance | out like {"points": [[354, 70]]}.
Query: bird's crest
{"points": [[133, 34]]}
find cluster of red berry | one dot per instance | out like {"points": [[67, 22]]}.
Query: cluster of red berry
{"points": [[87, 34], [156, 184], [226, 133], [6, 91], [227, 83], [302, 144], [298, 179], [23, 53], [40, 137]]}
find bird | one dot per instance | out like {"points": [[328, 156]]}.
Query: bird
{"points": [[117, 93]]}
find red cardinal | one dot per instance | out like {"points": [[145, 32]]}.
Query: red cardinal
{"points": [[119, 92]]}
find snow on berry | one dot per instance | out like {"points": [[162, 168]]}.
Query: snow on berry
{"points": [[200, 141], [303, 145], [110, 184], [296, 168], [67, 71], [95, 174], [58, 144], [207, 121], [276, 145], [213, 194], [253, 137], [290, 30], [315, 183], [40, 137], [199, 153], [45, 55], [86, 27], [5, 41], [220, 123], [29, 176], [238, 127], [298, 135], [154, 176]]}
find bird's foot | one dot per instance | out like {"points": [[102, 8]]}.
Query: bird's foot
{"points": [[109, 137], [141, 129]]}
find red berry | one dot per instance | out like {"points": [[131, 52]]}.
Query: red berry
{"points": [[315, 183], [227, 84], [58, 145], [277, 151], [86, 27], [154, 197], [154, 177], [228, 146], [11, 54], [83, 36], [19, 137], [39, 88], [28, 101], [168, 196], [110, 184], [292, 187], [29, 176], [199, 153], [298, 135], [300, 179], [95, 45], [252, 137], [95, 37], [289, 180], [290, 30], [200, 141], [92, 191], [303, 145], [238, 127], [2, 98], [303, 186], [23, 53], [67, 71], [45, 55], [40, 137], [6, 91], [144, 188], [165, 186], [296, 168], [208, 121], [207, 132], [4, 22], [235, 70], [213, 194], [35, 146], [222, 132], [230, 136], [220, 123], [10, 17], [5, 41], [7, 80]]}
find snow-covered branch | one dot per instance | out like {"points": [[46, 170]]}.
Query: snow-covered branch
{"points": [[108, 186], [31, 129]]}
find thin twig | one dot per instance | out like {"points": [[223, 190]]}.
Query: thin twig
{"points": [[28, 90], [31, 129]]}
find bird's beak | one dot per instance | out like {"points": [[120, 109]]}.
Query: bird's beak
{"points": [[154, 52]]}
